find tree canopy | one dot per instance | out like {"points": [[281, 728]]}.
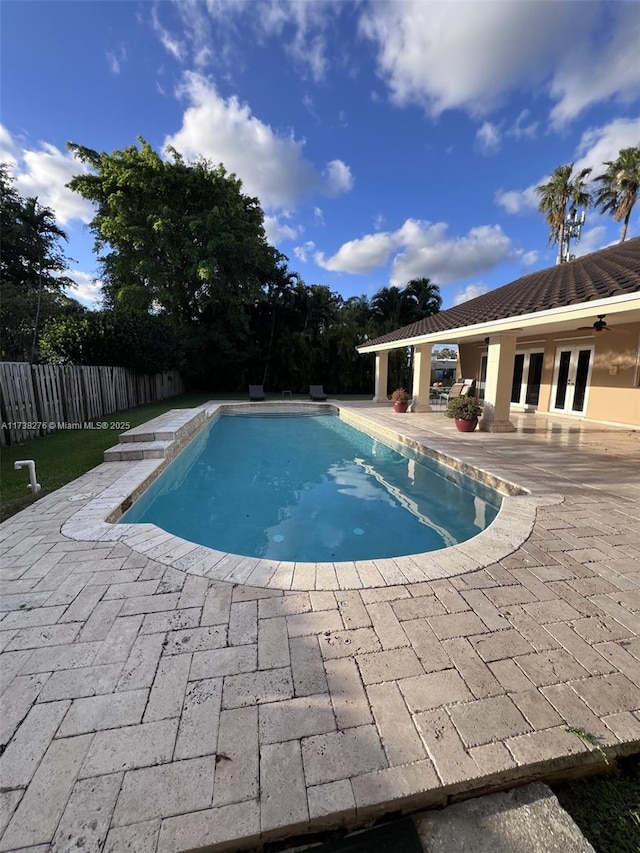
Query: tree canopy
{"points": [[617, 187], [181, 237], [563, 188], [32, 264]]}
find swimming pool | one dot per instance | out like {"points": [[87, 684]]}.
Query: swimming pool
{"points": [[311, 488]]}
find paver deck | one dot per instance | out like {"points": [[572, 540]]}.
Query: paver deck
{"points": [[150, 708]]}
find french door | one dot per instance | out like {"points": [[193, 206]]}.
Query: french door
{"points": [[527, 373], [571, 379]]}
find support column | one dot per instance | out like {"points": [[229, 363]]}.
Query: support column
{"points": [[421, 378], [497, 393], [382, 373]]}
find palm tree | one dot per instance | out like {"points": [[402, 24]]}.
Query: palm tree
{"points": [[619, 185], [425, 295], [391, 309], [40, 233], [563, 188]]}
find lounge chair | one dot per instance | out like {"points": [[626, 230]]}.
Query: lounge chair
{"points": [[256, 393], [462, 388], [316, 392]]}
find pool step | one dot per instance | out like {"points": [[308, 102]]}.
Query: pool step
{"points": [[170, 426], [137, 450], [159, 438]]}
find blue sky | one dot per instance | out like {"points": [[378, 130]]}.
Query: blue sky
{"points": [[385, 140]]}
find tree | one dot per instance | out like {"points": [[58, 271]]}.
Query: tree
{"points": [[425, 295], [446, 352], [391, 309], [143, 343], [619, 185], [562, 189], [31, 267], [184, 235], [181, 239]]}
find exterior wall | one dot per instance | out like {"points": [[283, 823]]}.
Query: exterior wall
{"points": [[615, 380], [614, 388]]}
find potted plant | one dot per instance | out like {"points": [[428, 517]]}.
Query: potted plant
{"points": [[466, 411], [400, 399]]}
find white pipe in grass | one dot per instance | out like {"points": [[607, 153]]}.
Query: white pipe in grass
{"points": [[31, 465]]}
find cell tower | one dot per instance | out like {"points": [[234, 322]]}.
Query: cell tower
{"points": [[572, 231]]}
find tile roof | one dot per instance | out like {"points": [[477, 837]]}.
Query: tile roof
{"points": [[610, 272]]}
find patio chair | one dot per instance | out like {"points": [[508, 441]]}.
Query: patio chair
{"points": [[316, 392], [462, 388], [256, 393]]}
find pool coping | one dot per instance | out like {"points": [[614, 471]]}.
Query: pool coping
{"points": [[312, 684], [147, 450]]}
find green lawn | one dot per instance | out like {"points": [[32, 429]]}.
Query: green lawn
{"points": [[607, 808], [66, 454]]}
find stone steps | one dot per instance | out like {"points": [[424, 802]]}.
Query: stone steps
{"points": [[159, 438]]}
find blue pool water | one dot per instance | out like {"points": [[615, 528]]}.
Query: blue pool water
{"points": [[312, 489]]}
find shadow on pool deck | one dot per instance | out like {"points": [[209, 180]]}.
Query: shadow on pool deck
{"points": [[149, 709]]}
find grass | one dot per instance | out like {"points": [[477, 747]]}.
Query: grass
{"points": [[607, 808], [66, 454]]}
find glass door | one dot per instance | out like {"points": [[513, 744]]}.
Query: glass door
{"points": [[527, 374], [482, 379], [572, 374]]}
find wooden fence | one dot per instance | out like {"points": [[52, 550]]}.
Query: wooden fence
{"points": [[36, 399]]}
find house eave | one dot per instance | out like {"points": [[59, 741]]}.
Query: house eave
{"points": [[562, 318]]}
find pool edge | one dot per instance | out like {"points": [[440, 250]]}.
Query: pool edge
{"points": [[95, 521]]}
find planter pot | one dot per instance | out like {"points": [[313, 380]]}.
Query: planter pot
{"points": [[466, 425], [400, 407]]}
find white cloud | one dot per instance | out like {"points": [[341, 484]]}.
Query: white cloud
{"points": [[115, 58], [425, 49], [422, 248], [518, 201], [429, 250], [488, 138], [439, 55], [278, 231], [600, 144], [594, 68], [472, 55], [309, 22], [597, 145], [9, 149], [359, 256], [210, 32], [171, 44], [43, 172], [338, 178], [520, 130], [470, 292], [318, 216], [303, 252], [87, 290], [530, 258], [271, 165], [592, 239]]}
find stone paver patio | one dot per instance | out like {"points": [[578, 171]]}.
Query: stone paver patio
{"points": [[147, 707]]}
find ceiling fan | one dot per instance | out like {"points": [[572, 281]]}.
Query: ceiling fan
{"points": [[601, 326]]}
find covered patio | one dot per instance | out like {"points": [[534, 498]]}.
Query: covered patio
{"points": [[565, 341]]}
